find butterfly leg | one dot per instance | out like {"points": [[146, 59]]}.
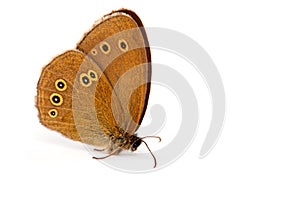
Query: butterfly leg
{"points": [[99, 150], [110, 148], [116, 151]]}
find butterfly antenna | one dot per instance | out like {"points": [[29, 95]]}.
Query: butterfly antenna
{"points": [[149, 148], [152, 137]]}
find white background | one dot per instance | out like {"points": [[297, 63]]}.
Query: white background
{"points": [[255, 45]]}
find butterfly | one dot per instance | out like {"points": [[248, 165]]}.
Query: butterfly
{"points": [[98, 93]]}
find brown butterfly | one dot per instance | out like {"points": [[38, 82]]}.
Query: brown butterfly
{"points": [[98, 93]]}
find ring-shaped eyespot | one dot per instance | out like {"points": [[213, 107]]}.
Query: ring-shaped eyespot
{"points": [[85, 80], [94, 52], [56, 99], [105, 47], [52, 113], [93, 75], [60, 85], [123, 46]]}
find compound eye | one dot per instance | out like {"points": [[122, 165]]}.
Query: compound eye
{"points": [[136, 144]]}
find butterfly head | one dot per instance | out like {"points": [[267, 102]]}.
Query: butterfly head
{"points": [[136, 144]]}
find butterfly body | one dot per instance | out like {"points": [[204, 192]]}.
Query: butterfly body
{"points": [[123, 141]]}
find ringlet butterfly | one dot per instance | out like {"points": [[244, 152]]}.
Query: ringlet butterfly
{"points": [[98, 93]]}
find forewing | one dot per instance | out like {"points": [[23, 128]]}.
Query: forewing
{"points": [[129, 70]]}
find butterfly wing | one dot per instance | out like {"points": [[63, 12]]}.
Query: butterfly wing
{"points": [[88, 94], [119, 46], [75, 98]]}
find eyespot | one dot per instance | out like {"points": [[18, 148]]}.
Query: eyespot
{"points": [[123, 45], [94, 51], [53, 113], [93, 75], [85, 80], [60, 85], [105, 47], [56, 99]]}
